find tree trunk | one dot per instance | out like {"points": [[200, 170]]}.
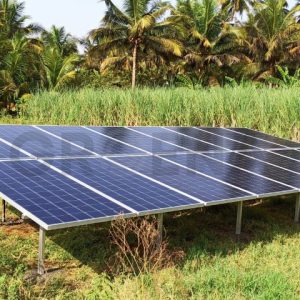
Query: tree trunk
{"points": [[134, 64]]}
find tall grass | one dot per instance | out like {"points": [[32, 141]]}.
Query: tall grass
{"points": [[275, 111]]}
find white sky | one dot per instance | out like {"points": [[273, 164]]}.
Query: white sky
{"points": [[78, 17]]}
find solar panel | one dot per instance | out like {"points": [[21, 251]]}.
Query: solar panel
{"points": [[63, 176], [294, 154], [266, 137], [133, 138], [214, 139], [8, 152], [269, 171], [237, 177], [91, 140], [276, 158], [38, 143], [248, 140], [177, 139], [51, 199], [137, 192], [185, 180]]}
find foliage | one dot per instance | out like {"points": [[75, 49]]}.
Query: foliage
{"points": [[196, 42], [141, 29], [139, 249], [272, 35], [284, 78]]}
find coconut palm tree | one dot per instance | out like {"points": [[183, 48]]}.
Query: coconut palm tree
{"points": [[236, 6], [133, 31], [58, 69], [59, 57], [13, 20], [212, 42], [271, 36], [58, 38], [19, 68]]}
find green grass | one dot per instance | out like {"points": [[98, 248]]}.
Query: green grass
{"points": [[275, 111], [264, 264]]}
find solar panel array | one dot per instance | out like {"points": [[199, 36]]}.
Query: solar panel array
{"points": [[63, 176]]}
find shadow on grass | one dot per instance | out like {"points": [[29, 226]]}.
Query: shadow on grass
{"points": [[209, 231]]}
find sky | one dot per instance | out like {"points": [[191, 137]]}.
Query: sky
{"points": [[78, 17]]}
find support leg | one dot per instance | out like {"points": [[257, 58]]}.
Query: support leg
{"points": [[239, 218], [41, 266], [297, 209], [160, 221], [3, 211]]}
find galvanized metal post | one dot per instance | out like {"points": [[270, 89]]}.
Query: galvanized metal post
{"points": [[239, 218], [160, 221], [41, 266], [3, 211], [297, 209]]}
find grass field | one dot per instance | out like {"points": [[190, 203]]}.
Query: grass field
{"points": [[276, 111], [263, 264]]}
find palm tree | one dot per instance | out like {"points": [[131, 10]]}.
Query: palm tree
{"points": [[272, 36], [59, 39], [58, 69], [12, 19], [213, 43], [132, 32], [59, 57], [236, 6], [19, 68]]}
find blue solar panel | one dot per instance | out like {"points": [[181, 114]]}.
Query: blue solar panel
{"points": [[267, 137], [208, 137], [53, 198], [91, 140], [278, 160], [177, 139], [7, 152], [295, 154], [252, 141], [258, 167], [133, 190], [138, 140], [38, 143], [234, 176], [187, 181]]}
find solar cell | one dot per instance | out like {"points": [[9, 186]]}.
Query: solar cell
{"points": [[7, 152], [295, 154], [38, 143], [90, 140], [51, 199], [264, 169], [278, 160], [252, 141], [208, 137], [138, 140], [177, 139], [232, 175], [187, 181], [266, 137], [131, 189]]}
